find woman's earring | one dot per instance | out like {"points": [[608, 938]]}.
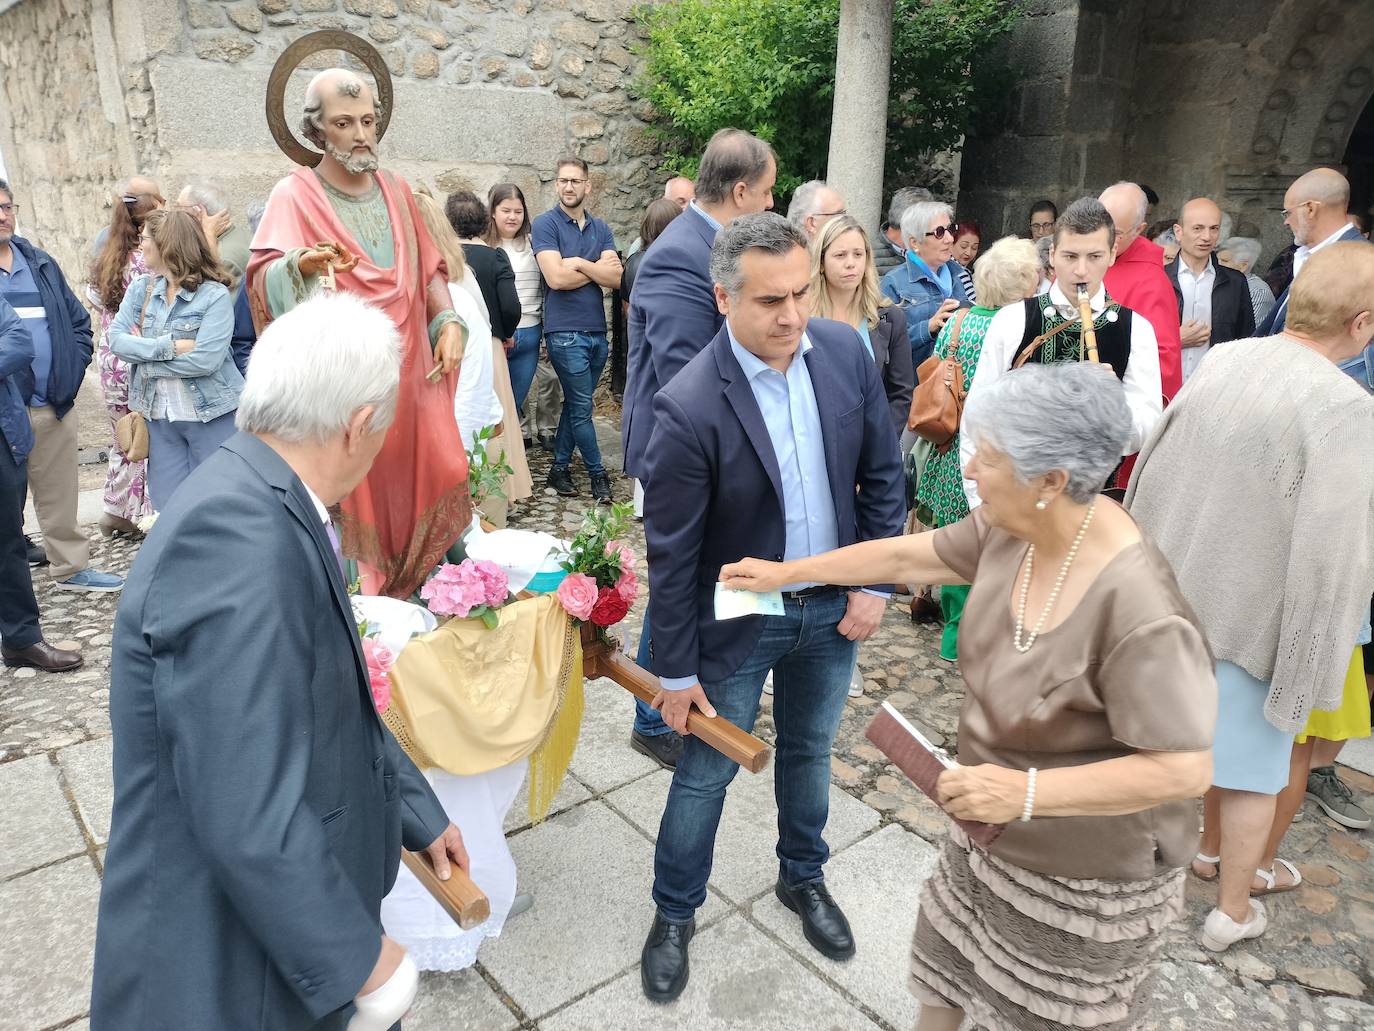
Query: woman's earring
{"points": [[1042, 504]]}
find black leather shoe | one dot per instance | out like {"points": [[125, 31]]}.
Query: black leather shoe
{"points": [[823, 921], [42, 656], [560, 479], [664, 749], [663, 963], [601, 488], [37, 556]]}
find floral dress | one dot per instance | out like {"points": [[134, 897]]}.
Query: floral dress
{"points": [[126, 483]]}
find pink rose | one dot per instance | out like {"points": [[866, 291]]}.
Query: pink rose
{"points": [[627, 587], [577, 594], [380, 660], [627, 556]]}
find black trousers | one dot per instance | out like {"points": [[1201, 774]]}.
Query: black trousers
{"points": [[18, 607]]}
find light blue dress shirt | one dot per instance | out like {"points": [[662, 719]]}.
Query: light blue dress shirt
{"points": [[787, 402], [702, 212]]}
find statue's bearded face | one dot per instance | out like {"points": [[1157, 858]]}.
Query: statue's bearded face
{"points": [[350, 131]]}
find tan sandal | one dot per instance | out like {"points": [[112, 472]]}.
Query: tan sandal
{"points": [[1211, 860], [1271, 885]]}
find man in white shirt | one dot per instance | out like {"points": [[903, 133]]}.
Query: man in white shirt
{"points": [[1315, 208], [1213, 301], [1084, 236]]}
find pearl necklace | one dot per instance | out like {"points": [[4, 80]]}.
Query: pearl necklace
{"points": [[1054, 594]]}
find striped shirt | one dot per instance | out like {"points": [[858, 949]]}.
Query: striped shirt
{"points": [[529, 284]]}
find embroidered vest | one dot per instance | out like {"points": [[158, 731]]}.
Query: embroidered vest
{"points": [[1113, 328]]}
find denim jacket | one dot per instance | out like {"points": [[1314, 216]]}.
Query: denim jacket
{"points": [[920, 297], [16, 383], [208, 371], [1361, 368]]}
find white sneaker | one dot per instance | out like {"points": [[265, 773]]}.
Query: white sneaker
{"points": [[768, 683], [1220, 932], [856, 683]]}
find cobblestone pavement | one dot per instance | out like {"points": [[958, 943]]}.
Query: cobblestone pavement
{"points": [[1314, 969]]}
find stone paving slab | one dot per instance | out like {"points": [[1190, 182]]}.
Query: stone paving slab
{"points": [[1359, 755], [878, 883], [35, 820], [745, 858], [741, 981], [570, 793], [459, 1001], [87, 768], [47, 945], [591, 872], [604, 759]]}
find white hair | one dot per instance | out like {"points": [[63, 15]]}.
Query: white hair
{"points": [[1243, 248], [918, 218], [1132, 190], [1072, 417], [806, 201], [316, 366], [1006, 272], [205, 195]]}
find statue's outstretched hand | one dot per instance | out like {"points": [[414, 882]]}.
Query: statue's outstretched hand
{"points": [[317, 260]]}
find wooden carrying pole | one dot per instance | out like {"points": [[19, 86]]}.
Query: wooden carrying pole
{"points": [[599, 660], [459, 895]]}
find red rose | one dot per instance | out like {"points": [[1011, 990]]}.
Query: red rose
{"points": [[610, 607]]}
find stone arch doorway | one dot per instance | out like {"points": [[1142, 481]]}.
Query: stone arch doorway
{"points": [[1359, 163]]}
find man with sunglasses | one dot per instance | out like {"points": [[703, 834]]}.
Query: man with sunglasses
{"points": [[925, 285], [1315, 208]]}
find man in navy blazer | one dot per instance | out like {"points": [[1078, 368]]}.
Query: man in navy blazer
{"points": [[1316, 209], [775, 440], [260, 804], [672, 315]]}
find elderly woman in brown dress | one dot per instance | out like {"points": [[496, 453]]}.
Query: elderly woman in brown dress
{"points": [[1086, 726]]}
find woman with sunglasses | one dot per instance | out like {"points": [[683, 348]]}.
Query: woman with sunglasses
{"points": [[925, 285]]}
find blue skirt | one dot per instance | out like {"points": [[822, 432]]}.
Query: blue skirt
{"points": [[1250, 753]]}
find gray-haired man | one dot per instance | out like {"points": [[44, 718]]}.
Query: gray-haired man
{"points": [[259, 802], [232, 239]]}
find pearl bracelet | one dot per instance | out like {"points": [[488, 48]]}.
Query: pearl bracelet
{"points": [[1030, 796]]}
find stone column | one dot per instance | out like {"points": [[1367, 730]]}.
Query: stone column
{"points": [[858, 124]]}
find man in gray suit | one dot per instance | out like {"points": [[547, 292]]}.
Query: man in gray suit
{"points": [[260, 805]]}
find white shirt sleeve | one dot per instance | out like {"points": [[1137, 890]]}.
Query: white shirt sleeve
{"points": [[999, 348], [475, 404], [1144, 394]]}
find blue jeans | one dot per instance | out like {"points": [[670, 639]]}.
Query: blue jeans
{"points": [[811, 664], [647, 720], [523, 360], [578, 358], [176, 448]]}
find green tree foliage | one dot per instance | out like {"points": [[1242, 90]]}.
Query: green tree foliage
{"points": [[769, 66]]}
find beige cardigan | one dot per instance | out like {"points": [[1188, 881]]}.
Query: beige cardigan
{"points": [[1258, 486]]}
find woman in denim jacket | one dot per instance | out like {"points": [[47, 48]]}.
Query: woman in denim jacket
{"points": [[925, 285], [174, 329]]}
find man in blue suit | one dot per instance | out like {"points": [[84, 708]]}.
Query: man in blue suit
{"points": [[1315, 208], [672, 315], [260, 804], [776, 440]]}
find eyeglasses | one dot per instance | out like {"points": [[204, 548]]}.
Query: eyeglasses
{"points": [[1042, 225], [1288, 212], [8, 209], [832, 214], [570, 182], [939, 232]]}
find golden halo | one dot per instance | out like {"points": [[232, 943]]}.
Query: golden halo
{"points": [[292, 56]]}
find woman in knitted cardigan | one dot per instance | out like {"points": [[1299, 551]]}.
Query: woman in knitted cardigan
{"points": [[1256, 486]]}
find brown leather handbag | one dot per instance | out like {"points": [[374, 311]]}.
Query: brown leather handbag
{"points": [[937, 404]]}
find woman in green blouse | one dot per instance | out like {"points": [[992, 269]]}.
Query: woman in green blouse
{"points": [[1008, 272]]}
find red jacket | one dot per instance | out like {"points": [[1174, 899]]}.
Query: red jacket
{"points": [[1138, 281]]}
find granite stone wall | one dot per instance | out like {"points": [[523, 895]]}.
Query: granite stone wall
{"points": [[92, 90]]}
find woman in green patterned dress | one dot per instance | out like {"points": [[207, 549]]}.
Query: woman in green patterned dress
{"points": [[1008, 272]]}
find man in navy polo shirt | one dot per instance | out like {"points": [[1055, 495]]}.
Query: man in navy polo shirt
{"points": [[60, 333], [576, 254]]}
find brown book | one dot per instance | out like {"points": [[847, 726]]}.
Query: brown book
{"points": [[894, 736]]}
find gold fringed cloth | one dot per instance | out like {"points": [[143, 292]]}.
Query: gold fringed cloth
{"points": [[468, 699]]}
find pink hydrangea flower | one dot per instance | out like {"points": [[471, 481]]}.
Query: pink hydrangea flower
{"points": [[380, 660], [577, 594], [494, 581], [456, 590]]}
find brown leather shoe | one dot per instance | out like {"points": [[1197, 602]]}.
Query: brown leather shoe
{"points": [[925, 609], [42, 656]]}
